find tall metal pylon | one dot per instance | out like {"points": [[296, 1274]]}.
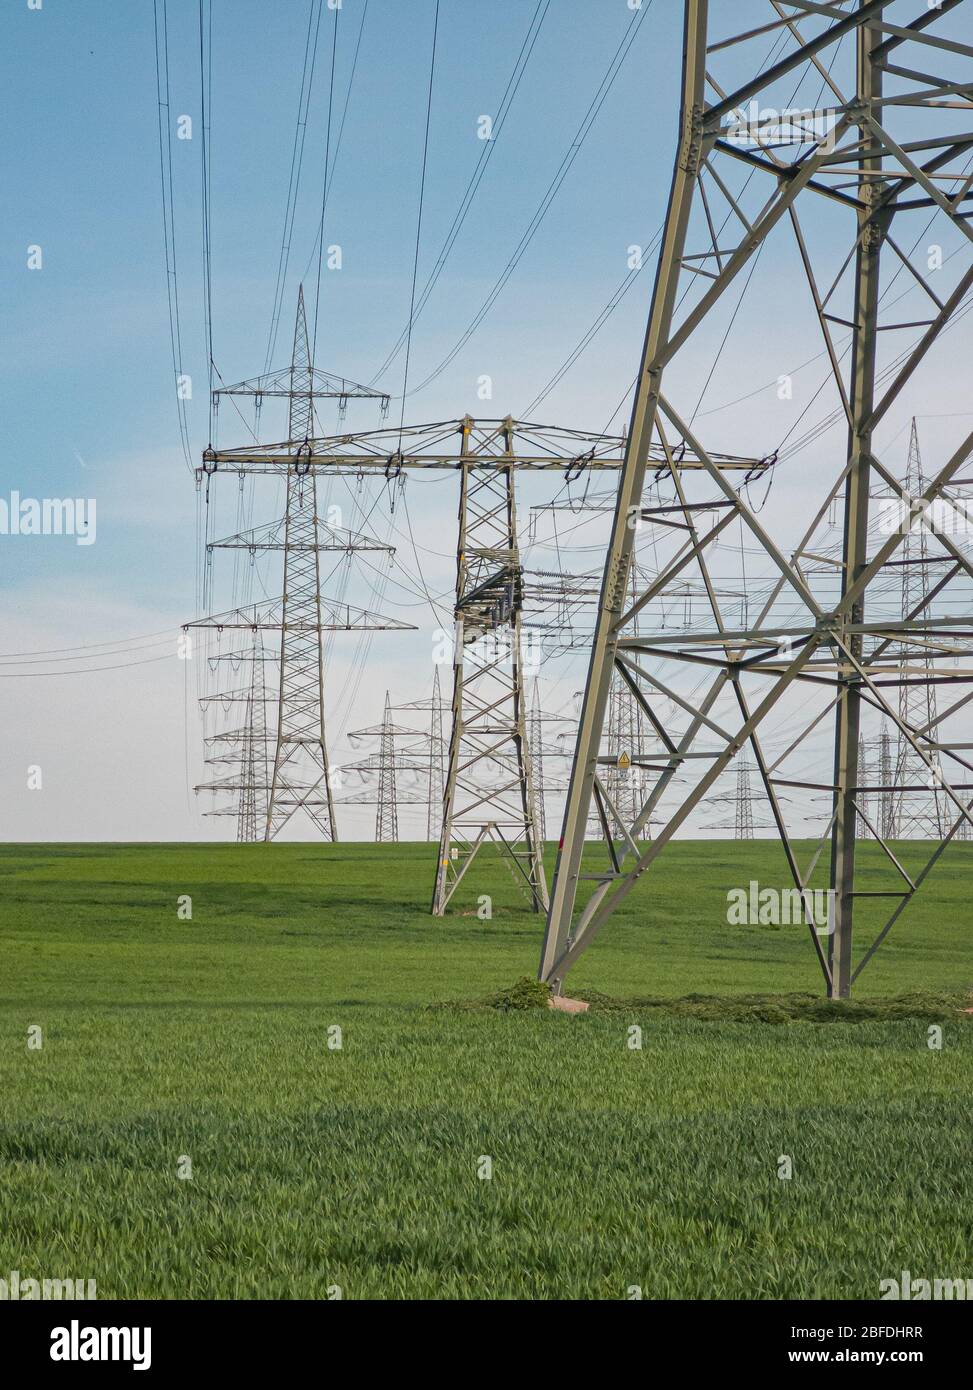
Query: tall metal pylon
{"points": [[435, 772], [301, 778], [437, 760], [254, 788], [866, 159], [489, 792], [535, 741], [386, 812], [489, 447], [888, 825], [743, 828], [866, 799], [297, 783], [916, 814], [242, 751]]}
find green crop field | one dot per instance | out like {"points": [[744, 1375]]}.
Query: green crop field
{"points": [[613, 1167]]}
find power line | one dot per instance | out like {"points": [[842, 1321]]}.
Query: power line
{"points": [[601, 94], [337, 143], [294, 180], [205, 81], [486, 153], [168, 218], [327, 185], [83, 670], [422, 195]]}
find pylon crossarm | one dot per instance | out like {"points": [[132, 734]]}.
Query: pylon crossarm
{"points": [[492, 445]]}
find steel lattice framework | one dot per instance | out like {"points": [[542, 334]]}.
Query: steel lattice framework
{"points": [[489, 780], [892, 148], [487, 455], [299, 774]]}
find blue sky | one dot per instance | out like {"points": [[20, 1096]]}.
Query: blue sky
{"points": [[86, 371], [87, 380]]}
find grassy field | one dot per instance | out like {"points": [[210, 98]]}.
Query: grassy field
{"points": [[314, 1167]]}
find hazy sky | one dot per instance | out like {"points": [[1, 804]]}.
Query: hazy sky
{"points": [[89, 407]]}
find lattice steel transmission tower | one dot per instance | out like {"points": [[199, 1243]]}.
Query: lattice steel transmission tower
{"points": [[743, 829], [886, 794], [392, 777], [387, 813], [744, 820], [535, 743], [437, 760], [489, 780], [890, 149], [436, 768], [922, 813], [484, 449], [240, 753], [253, 792], [298, 779]]}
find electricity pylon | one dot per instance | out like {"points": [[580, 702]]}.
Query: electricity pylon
{"points": [[253, 793], [866, 160], [490, 450], [403, 749], [386, 813], [437, 760], [489, 781], [744, 822], [921, 813], [436, 754], [299, 776], [242, 750], [887, 821], [535, 744], [743, 828]]}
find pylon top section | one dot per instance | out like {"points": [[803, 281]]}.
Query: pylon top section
{"points": [[273, 536], [495, 443], [302, 383], [330, 616]]}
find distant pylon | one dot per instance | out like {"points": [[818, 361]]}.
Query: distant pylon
{"points": [[743, 827], [864, 798], [253, 786], [887, 821], [386, 812], [536, 745], [437, 761], [917, 814]]}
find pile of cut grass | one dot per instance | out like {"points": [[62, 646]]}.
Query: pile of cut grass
{"points": [[924, 1005]]}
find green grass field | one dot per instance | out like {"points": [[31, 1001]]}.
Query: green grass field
{"points": [[358, 1167]]}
